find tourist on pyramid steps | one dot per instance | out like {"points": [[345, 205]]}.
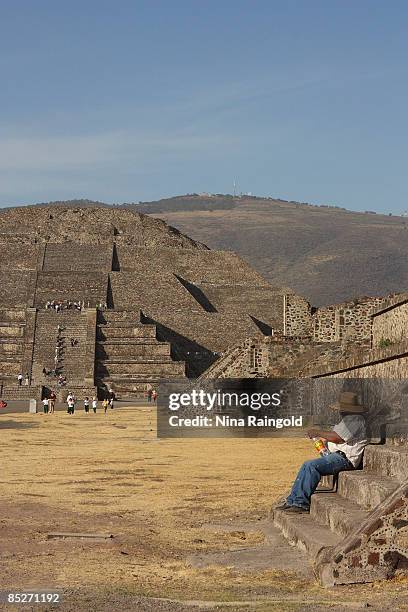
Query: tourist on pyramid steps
{"points": [[111, 398], [53, 397], [27, 379], [105, 405], [20, 379], [149, 392], [154, 395], [45, 405], [94, 404], [344, 451], [61, 380], [86, 404]]}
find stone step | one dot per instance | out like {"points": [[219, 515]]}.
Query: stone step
{"points": [[9, 324], [112, 316], [303, 531], [132, 341], [366, 489], [126, 333], [165, 359], [136, 378], [387, 460], [125, 325], [340, 515]]}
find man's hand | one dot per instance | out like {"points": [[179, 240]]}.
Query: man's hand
{"points": [[330, 436]]}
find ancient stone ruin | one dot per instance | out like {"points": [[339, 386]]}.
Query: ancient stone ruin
{"points": [[157, 305]]}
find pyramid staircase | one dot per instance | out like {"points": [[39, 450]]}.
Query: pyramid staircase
{"points": [[129, 355], [357, 529]]}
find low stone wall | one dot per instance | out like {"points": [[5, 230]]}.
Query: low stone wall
{"points": [[386, 362]]}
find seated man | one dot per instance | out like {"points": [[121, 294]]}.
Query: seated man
{"points": [[346, 444]]}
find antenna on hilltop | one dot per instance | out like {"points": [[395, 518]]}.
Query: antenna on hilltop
{"points": [[235, 188]]}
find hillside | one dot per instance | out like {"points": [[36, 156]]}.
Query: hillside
{"points": [[327, 254]]}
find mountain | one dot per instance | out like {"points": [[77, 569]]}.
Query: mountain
{"points": [[326, 253]]}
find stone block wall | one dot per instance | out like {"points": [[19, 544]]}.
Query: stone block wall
{"points": [[379, 376], [386, 362], [350, 321], [347, 322], [88, 286], [298, 316], [390, 325], [148, 290], [264, 304], [77, 257], [17, 288], [194, 265], [18, 255]]}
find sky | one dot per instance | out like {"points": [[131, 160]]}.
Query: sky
{"points": [[137, 100]]}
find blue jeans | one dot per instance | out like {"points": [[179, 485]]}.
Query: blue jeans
{"points": [[310, 474]]}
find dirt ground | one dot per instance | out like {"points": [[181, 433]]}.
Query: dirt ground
{"points": [[189, 519]]}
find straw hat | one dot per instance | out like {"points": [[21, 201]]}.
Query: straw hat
{"points": [[348, 402]]}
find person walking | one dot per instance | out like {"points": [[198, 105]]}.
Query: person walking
{"points": [[27, 379], [105, 405], [111, 398], [94, 404], [86, 404], [149, 390], [71, 403], [154, 395], [46, 405], [20, 379], [53, 397]]}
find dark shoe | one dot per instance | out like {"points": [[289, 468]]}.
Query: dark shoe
{"points": [[283, 506], [296, 510]]}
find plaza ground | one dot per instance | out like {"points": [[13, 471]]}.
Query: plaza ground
{"points": [[189, 518]]}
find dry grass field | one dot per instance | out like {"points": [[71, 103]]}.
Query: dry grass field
{"points": [[167, 503]]}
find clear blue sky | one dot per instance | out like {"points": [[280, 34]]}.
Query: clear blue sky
{"points": [[136, 100]]}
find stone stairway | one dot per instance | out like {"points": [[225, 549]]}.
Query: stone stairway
{"points": [[357, 531], [71, 359], [129, 356]]}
